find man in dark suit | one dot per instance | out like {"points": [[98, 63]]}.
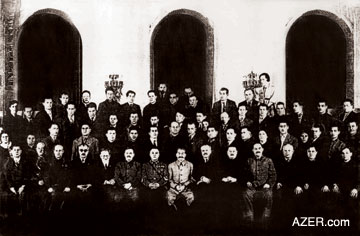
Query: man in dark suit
{"points": [[151, 108], [112, 143], [206, 175], [12, 122], [264, 122], [134, 122], [152, 141], [299, 121], [60, 108], [224, 105], [213, 140], [251, 104], [173, 106], [59, 180], [242, 120], [194, 105], [245, 144], [163, 94], [70, 126], [348, 114], [194, 142], [85, 138], [109, 106], [280, 112], [93, 120], [284, 137], [184, 99], [323, 116], [352, 137], [28, 124], [114, 123], [171, 142], [224, 125], [83, 106], [320, 140], [105, 179], [289, 186], [130, 107], [17, 172], [135, 142], [52, 139], [83, 178], [44, 118]]}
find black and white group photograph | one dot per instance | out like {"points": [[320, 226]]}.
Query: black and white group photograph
{"points": [[179, 117]]}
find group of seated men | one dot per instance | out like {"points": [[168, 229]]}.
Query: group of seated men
{"points": [[71, 153]]}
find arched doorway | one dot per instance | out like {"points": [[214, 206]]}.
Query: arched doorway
{"points": [[49, 57], [319, 60], [182, 53]]}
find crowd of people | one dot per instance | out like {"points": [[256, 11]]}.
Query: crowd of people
{"points": [[69, 154]]}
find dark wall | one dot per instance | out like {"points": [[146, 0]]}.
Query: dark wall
{"points": [[180, 54], [49, 59], [316, 61]]}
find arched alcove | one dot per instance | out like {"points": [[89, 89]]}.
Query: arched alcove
{"points": [[182, 53], [319, 59], [49, 57]]}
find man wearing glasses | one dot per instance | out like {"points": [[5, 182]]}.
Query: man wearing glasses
{"points": [[82, 177]]}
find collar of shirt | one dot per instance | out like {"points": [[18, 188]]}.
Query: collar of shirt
{"points": [[180, 163], [49, 113], [17, 160], [191, 136], [105, 163], [259, 159], [211, 140], [71, 118]]}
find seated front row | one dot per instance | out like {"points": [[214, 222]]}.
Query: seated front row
{"points": [[57, 184]]}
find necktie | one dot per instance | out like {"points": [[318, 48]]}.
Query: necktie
{"points": [[50, 115], [282, 138], [155, 143]]}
